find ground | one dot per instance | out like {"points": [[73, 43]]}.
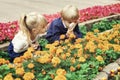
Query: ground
{"points": [[10, 10]]}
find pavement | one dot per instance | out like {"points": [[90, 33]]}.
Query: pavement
{"points": [[10, 10]]}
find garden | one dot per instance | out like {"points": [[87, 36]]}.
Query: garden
{"points": [[69, 59]]}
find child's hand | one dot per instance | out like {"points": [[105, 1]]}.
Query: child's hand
{"points": [[69, 32], [35, 45], [71, 26]]}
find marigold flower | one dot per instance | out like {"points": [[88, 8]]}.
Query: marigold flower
{"points": [[60, 77], [20, 71], [72, 68], [72, 36], [96, 30], [61, 72], [30, 65], [31, 49], [28, 76], [99, 58], [78, 40], [52, 76], [43, 72], [56, 43], [59, 51], [68, 54], [55, 61], [62, 36], [63, 56], [82, 59], [18, 60], [8, 77], [11, 65]]}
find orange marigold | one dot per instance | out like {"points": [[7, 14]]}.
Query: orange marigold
{"points": [[82, 59], [99, 58], [61, 72], [20, 71], [8, 77], [72, 68], [30, 65], [60, 77], [28, 76], [62, 36]]}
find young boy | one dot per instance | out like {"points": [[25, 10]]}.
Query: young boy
{"points": [[66, 24]]}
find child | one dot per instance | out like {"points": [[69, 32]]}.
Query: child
{"points": [[31, 25], [66, 24]]}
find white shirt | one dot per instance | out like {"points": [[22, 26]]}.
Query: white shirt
{"points": [[20, 43]]}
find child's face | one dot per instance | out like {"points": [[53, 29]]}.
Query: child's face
{"points": [[68, 23], [39, 30]]}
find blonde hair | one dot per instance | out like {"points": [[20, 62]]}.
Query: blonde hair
{"points": [[69, 13], [29, 21]]}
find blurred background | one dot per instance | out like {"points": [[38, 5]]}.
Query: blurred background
{"points": [[11, 10]]}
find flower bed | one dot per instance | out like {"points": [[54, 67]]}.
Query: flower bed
{"points": [[68, 59]]}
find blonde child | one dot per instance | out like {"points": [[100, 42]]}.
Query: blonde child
{"points": [[32, 25], [66, 24]]}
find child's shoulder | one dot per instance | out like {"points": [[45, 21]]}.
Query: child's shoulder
{"points": [[56, 21]]}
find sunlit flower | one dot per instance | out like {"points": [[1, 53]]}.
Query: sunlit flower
{"points": [[99, 58], [30, 65], [82, 59], [62, 36], [72, 68], [20, 71], [55, 61], [61, 72], [60, 77], [8, 77], [28, 76]]}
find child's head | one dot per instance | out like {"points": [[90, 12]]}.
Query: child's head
{"points": [[70, 14], [33, 24]]}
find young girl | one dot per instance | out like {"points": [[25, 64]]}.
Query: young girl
{"points": [[66, 24], [32, 26]]}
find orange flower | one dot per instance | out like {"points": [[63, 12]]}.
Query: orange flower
{"points": [[99, 58], [72, 36], [72, 68], [60, 77], [96, 30], [43, 72], [62, 36], [78, 66], [52, 76], [31, 49], [56, 43], [11, 65], [8, 77], [28, 76], [63, 56], [68, 54], [67, 40], [30, 65], [59, 51], [55, 61], [78, 40], [20, 71], [18, 60], [73, 60], [82, 59], [61, 72]]}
